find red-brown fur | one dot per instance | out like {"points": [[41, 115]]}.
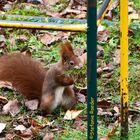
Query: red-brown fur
{"points": [[25, 74], [30, 78]]}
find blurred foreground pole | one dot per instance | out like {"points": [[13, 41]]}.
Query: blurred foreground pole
{"points": [[91, 70], [124, 66]]}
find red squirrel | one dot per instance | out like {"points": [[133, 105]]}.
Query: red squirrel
{"points": [[52, 87]]}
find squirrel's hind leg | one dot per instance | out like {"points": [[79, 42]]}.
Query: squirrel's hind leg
{"points": [[68, 98]]}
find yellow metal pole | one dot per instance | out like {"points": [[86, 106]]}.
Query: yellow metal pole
{"points": [[124, 66], [41, 25]]}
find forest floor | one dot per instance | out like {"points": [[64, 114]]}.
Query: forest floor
{"points": [[23, 123]]}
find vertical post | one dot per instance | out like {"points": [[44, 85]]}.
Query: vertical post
{"points": [[124, 66], [91, 69]]}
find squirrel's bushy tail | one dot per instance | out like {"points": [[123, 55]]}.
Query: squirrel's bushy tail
{"points": [[25, 74]]}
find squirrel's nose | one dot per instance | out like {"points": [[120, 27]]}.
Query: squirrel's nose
{"points": [[78, 66]]}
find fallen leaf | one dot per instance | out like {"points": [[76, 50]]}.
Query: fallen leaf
{"points": [[22, 38], [37, 125], [25, 133], [72, 114], [9, 136], [103, 35], [2, 127], [104, 104], [100, 54], [99, 70], [20, 127], [109, 15], [32, 104], [49, 136], [78, 124], [83, 58], [104, 113], [3, 100], [81, 98], [114, 129], [47, 38], [116, 58], [2, 38], [50, 2], [12, 107], [100, 28], [5, 85], [116, 109], [82, 15]]}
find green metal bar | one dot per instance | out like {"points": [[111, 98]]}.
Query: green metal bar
{"points": [[43, 19], [92, 70]]}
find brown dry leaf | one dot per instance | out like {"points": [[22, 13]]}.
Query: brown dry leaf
{"points": [[82, 15], [3, 100], [81, 98], [9, 136], [2, 38], [49, 136], [131, 9], [103, 113], [62, 35], [99, 70], [32, 104], [78, 124], [104, 104], [104, 138], [5, 85], [100, 28], [72, 114], [79, 51], [116, 58], [116, 109], [50, 2], [109, 67], [136, 104], [22, 38], [83, 58], [47, 38], [2, 127], [113, 130], [12, 40], [108, 75], [3, 3], [24, 133], [103, 35], [12, 107], [109, 15], [20, 128], [35, 124]]}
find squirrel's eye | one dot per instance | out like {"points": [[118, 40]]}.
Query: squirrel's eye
{"points": [[71, 63]]}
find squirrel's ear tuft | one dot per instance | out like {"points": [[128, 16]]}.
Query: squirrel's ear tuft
{"points": [[66, 48]]}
